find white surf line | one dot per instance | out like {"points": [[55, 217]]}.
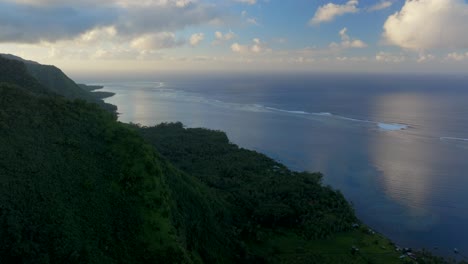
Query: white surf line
{"points": [[261, 108], [380, 125], [454, 138]]}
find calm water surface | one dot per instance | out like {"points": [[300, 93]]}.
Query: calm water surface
{"points": [[396, 146]]}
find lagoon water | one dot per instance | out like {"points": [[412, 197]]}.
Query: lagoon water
{"points": [[396, 146]]}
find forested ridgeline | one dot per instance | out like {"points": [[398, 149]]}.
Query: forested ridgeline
{"points": [[51, 78], [15, 72]]}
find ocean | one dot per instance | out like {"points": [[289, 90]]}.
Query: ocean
{"points": [[395, 145]]}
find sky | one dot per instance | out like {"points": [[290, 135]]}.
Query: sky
{"points": [[146, 36]]}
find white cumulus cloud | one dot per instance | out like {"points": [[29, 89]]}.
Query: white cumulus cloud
{"points": [[390, 57], [380, 6], [249, 20], [221, 37], [238, 48], [249, 2], [257, 47], [348, 42], [426, 58], [97, 35], [196, 38], [162, 40], [330, 11], [454, 56], [429, 24]]}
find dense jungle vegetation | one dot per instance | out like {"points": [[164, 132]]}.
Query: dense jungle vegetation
{"points": [[77, 186]]}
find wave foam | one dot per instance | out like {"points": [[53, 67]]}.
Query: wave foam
{"points": [[392, 126], [189, 97], [382, 126], [288, 111], [453, 139]]}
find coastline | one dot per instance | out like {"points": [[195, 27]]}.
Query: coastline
{"points": [[89, 87], [385, 244], [102, 95], [94, 90]]}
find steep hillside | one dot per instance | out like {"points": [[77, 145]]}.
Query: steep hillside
{"points": [[77, 187], [13, 57], [15, 72], [55, 81]]}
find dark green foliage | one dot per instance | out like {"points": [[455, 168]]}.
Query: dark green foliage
{"points": [[55, 80], [96, 94], [202, 219], [89, 88], [45, 79], [15, 72], [103, 95], [13, 57], [258, 190], [78, 187], [59, 83]]}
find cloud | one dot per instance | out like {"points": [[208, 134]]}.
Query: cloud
{"points": [[257, 47], [220, 38], [97, 35], [157, 41], [195, 39], [454, 56], [249, 2], [123, 3], [115, 54], [252, 21], [389, 57], [380, 6], [347, 42], [156, 18], [238, 48], [428, 24], [228, 36], [352, 59], [281, 40], [30, 24], [249, 20], [34, 21], [50, 2], [425, 58], [330, 11]]}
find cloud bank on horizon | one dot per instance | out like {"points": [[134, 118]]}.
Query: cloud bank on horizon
{"points": [[387, 35]]}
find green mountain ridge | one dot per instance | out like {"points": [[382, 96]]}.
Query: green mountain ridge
{"points": [[77, 186], [14, 57], [57, 82]]}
